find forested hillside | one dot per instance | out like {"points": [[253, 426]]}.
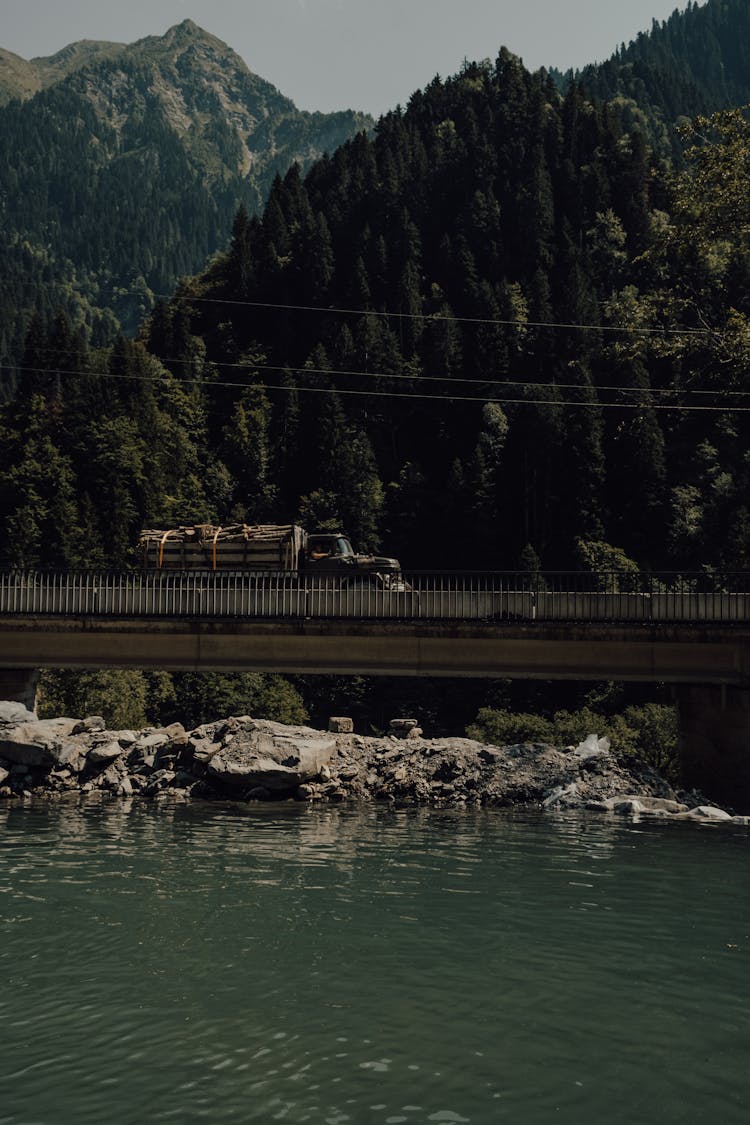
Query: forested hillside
{"points": [[498, 332], [490, 332], [123, 171], [694, 62]]}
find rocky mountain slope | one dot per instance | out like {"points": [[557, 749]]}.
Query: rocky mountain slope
{"points": [[131, 161], [22, 78]]}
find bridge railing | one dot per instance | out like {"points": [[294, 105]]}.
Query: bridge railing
{"points": [[497, 596]]}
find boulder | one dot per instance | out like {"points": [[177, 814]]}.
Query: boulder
{"points": [[12, 712], [401, 727], [270, 755], [35, 744], [104, 752], [203, 749], [126, 738], [628, 806], [705, 813], [159, 780], [338, 724], [92, 724], [152, 741], [177, 734], [646, 804]]}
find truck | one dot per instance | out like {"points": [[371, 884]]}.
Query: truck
{"points": [[265, 549]]}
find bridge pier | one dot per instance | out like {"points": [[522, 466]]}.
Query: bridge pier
{"points": [[715, 742], [19, 685]]}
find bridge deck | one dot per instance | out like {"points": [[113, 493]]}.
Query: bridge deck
{"points": [[675, 653], [496, 625]]}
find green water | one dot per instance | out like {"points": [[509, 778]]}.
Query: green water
{"points": [[338, 965]]}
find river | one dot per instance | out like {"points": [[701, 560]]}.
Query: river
{"points": [[215, 963]]}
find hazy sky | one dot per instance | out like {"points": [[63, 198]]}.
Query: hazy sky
{"points": [[334, 54]]}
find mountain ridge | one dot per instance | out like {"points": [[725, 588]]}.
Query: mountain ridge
{"points": [[169, 135]]}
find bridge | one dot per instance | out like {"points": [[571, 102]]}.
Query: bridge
{"points": [[689, 631]]}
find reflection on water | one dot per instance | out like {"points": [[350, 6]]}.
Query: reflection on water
{"points": [[223, 963]]}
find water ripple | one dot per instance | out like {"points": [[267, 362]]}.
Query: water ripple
{"points": [[376, 965]]}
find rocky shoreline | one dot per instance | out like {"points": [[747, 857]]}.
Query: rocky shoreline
{"points": [[246, 759]]}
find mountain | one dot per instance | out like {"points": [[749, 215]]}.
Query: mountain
{"points": [[22, 79], [693, 63], [490, 334], [129, 162]]}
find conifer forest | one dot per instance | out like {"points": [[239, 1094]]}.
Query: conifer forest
{"points": [[505, 327]]}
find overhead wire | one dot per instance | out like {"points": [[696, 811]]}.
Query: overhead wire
{"points": [[387, 314], [401, 394], [458, 380]]}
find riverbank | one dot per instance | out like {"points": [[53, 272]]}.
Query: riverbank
{"points": [[246, 759]]}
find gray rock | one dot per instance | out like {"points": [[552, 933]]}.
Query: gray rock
{"points": [[152, 741], [648, 804], [12, 712], [629, 806], [203, 749], [126, 738], [338, 724], [65, 752], [92, 724], [4, 775], [401, 727], [159, 780], [111, 778], [273, 756], [560, 795], [177, 734], [704, 813], [140, 759], [104, 752], [34, 744], [592, 747]]}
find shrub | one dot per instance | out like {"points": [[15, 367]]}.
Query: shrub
{"points": [[647, 732]]}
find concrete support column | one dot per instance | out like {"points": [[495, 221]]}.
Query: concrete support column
{"points": [[19, 685], [715, 742]]}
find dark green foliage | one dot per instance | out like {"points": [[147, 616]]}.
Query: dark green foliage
{"points": [[444, 233], [198, 698], [131, 168], [694, 62], [461, 339], [647, 732], [120, 697], [127, 699]]}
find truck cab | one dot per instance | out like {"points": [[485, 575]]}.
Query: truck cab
{"points": [[332, 553]]}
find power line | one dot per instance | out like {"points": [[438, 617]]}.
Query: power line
{"points": [[459, 379], [435, 316], [391, 315], [401, 394], [415, 378]]}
